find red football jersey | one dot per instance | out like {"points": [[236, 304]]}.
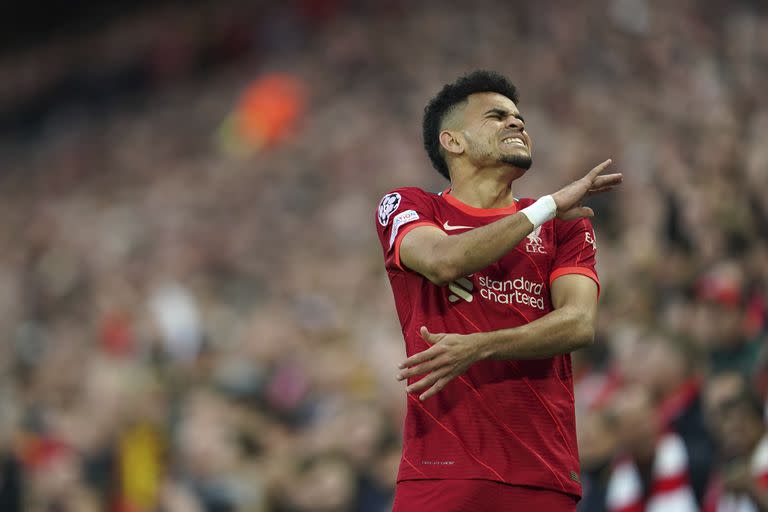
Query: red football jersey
{"points": [[506, 421]]}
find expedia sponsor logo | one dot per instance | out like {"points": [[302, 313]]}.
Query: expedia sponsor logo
{"points": [[512, 291]]}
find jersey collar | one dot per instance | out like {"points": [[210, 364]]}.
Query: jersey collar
{"points": [[478, 212]]}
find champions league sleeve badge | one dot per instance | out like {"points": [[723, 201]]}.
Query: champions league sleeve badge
{"points": [[388, 205]]}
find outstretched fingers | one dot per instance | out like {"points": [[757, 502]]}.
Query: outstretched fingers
{"points": [[429, 380], [600, 190], [591, 175], [606, 180], [419, 369], [436, 388], [425, 355], [421, 357]]}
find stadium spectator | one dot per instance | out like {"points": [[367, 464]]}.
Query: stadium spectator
{"points": [[672, 373], [654, 473], [735, 415]]}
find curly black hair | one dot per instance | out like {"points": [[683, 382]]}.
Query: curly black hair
{"points": [[451, 95]]}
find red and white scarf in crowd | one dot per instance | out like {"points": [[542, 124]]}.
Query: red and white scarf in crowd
{"points": [[670, 489], [718, 500]]}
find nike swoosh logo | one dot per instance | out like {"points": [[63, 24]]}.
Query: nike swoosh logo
{"points": [[448, 227]]}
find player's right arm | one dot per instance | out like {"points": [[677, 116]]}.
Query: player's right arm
{"points": [[442, 259]]}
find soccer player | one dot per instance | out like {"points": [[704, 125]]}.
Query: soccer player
{"points": [[492, 292]]}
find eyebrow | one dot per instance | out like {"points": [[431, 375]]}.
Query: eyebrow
{"points": [[504, 113]]}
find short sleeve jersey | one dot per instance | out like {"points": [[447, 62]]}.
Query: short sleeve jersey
{"points": [[507, 421]]}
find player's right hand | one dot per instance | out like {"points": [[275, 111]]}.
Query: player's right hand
{"points": [[568, 199]]}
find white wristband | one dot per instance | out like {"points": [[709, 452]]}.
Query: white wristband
{"points": [[541, 211]]}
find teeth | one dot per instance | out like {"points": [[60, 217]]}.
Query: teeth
{"points": [[513, 140]]}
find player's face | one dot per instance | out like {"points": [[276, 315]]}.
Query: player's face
{"points": [[494, 131]]}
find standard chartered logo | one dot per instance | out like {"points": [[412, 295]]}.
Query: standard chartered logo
{"points": [[508, 291]]}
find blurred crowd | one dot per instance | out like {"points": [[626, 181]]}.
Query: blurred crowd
{"points": [[191, 326]]}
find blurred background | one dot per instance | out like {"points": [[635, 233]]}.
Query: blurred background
{"points": [[195, 314]]}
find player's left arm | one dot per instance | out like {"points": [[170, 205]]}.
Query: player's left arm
{"points": [[570, 326]]}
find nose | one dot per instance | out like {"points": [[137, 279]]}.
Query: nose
{"points": [[514, 122]]}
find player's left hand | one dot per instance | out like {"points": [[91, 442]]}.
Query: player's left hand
{"points": [[449, 356]]}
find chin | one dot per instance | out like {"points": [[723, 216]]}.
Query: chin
{"points": [[523, 162]]}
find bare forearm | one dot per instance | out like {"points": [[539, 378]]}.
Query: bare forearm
{"points": [[463, 254], [568, 327], [561, 331]]}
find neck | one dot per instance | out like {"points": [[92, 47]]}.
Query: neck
{"points": [[485, 188]]}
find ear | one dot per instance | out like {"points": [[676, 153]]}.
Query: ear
{"points": [[451, 142]]}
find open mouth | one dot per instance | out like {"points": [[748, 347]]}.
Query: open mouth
{"points": [[513, 141]]}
